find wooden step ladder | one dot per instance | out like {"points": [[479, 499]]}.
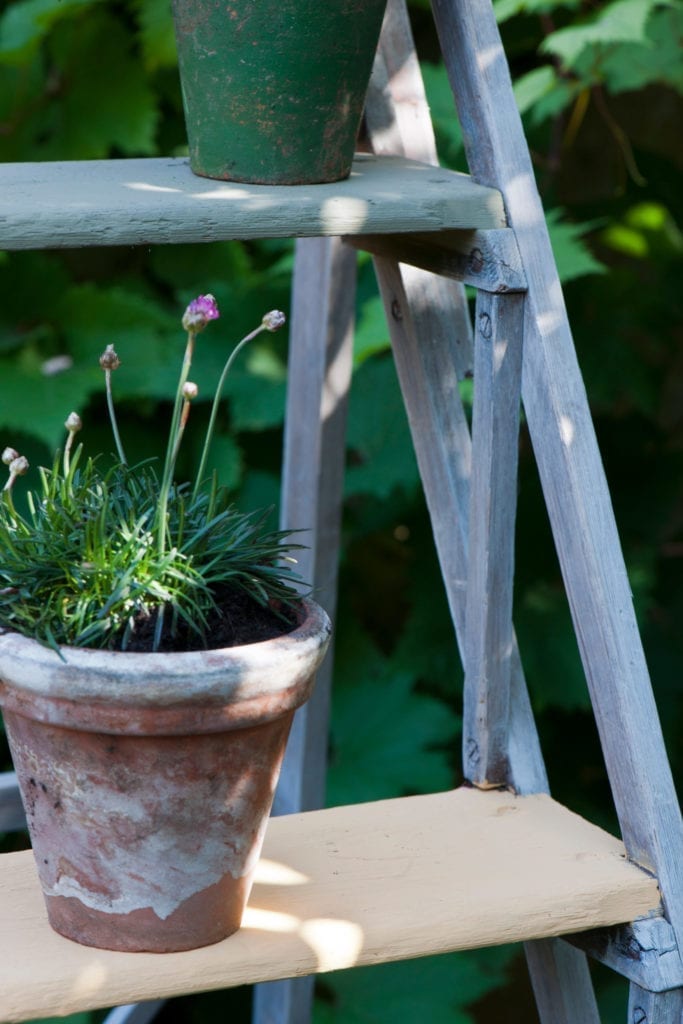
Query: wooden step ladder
{"points": [[500, 861]]}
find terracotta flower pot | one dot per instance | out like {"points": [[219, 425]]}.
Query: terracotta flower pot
{"points": [[273, 90], [148, 779]]}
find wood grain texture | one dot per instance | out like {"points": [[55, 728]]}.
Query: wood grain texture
{"points": [[319, 375], [398, 123], [12, 817], [654, 1007], [134, 1013], [429, 356], [558, 980], [570, 467], [346, 886], [487, 260], [431, 337], [159, 200], [644, 952], [323, 305], [489, 637], [426, 360]]}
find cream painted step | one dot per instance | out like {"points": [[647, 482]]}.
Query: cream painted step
{"points": [[347, 886], [153, 201]]}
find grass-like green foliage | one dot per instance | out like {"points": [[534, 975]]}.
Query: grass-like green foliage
{"points": [[101, 552]]}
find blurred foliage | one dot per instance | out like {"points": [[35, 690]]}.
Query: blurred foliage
{"points": [[599, 84]]}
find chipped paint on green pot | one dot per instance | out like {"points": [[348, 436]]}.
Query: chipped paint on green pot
{"points": [[273, 90]]}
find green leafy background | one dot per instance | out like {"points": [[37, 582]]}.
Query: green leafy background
{"points": [[599, 84]]}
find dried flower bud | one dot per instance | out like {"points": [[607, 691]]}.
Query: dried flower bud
{"points": [[9, 455], [198, 314], [109, 359], [190, 390], [73, 423], [274, 320], [19, 466]]}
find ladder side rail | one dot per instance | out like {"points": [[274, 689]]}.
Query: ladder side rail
{"points": [[424, 358], [558, 971], [323, 307], [12, 816], [493, 501], [654, 1007], [426, 329], [569, 462], [399, 124], [561, 983], [135, 1013], [319, 375], [431, 335]]}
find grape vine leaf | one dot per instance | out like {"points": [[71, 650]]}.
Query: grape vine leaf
{"points": [[387, 739], [382, 456], [437, 989], [623, 21]]}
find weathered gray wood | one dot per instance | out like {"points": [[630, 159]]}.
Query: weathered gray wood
{"points": [[284, 1002], [644, 952], [398, 122], [443, 449], [12, 817], [321, 349], [427, 354], [431, 338], [493, 501], [559, 979], [654, 1007], [569, 463], [483, 259], [135, 1013], [157, 201]]}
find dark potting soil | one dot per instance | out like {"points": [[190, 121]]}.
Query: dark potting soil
{"points": [[239, 620]]}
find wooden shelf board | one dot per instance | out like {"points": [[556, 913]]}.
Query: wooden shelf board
{"points": [[347, 886], [64, 204]]}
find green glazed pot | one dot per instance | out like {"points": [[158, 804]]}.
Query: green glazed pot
{"points": [[273, 90]]}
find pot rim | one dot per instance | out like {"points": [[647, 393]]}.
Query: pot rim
{"points": [[225, 675]]}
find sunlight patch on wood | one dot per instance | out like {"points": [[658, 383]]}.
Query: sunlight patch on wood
{"points": [[271, 872]]}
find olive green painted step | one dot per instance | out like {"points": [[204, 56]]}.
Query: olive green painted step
{"points": [[64, 204]]}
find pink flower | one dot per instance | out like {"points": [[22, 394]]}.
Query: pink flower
{"points": [[200, 311]]}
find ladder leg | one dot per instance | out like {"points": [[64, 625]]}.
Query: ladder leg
{"points": [[323, 303], [562, 991], [570, 467], [443, 448], [428, 325], [493, 500], [654, 1007], [430, 330]]}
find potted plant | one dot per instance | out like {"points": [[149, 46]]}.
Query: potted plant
{"points": [[273, 90], [153, 649]]}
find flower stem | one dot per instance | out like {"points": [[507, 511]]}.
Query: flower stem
{"points": [[112, 417], [216, 402], [174, 438]]}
